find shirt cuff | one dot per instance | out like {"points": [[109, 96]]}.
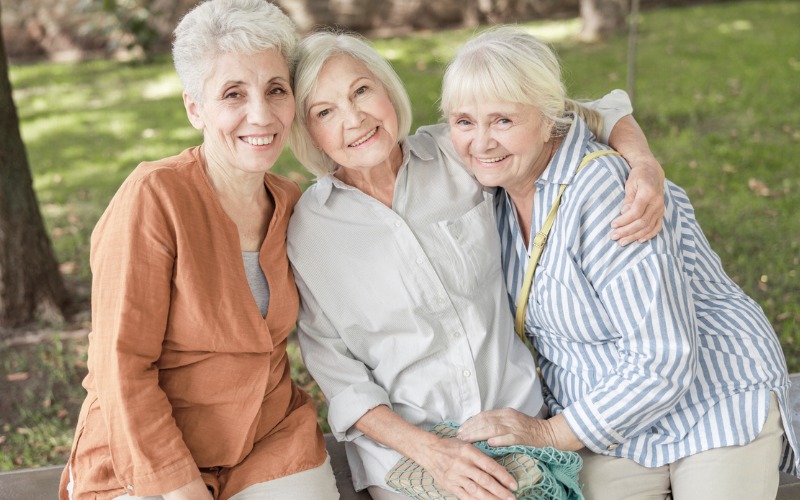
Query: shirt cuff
{"points": [[347, 407], [591, 428], [611, 107], [164, 480]]}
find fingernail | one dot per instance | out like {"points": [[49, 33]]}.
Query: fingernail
{"points": [[624, 208], [614, 236]]}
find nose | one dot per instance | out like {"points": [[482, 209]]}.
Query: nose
{"points": [[260, 112], [353, 116], [482, 140]]}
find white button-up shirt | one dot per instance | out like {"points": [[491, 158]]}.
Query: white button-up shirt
{"points": [[406, 306]]}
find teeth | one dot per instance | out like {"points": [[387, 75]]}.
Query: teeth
{"points": [[492, 160], [365, 138], [259, 141]]}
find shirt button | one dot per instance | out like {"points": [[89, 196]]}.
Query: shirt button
{"points": [[419, 261], [397, 223], [130, 487], [467, 373], [456, 334], [612, 447]]}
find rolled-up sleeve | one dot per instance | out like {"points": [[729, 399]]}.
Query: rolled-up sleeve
{"points": [[611, 107], [346, 381], [132, 263]]}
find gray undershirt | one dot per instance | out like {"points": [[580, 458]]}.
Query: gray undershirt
{"points": [[257, 281]]}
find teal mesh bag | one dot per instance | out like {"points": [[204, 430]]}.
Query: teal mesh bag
{"points": [[541, 473]]}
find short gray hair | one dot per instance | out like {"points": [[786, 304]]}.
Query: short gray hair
{"points": [[509, 65], [313, 52], [216, 27]]}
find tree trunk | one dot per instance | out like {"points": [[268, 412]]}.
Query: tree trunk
{"points": [[601, 18], [31, 286]]}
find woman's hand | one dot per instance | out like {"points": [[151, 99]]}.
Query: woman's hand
{"points": [[456, 466], [643, 206], [462, 469], [194, 490], [508, 427]]}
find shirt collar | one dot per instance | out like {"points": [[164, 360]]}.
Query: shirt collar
{"points": [[323, 188], [562, 166]]}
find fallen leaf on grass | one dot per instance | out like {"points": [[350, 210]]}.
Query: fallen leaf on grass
{"points": [[23, 430], [17, 377], [758, 187]]}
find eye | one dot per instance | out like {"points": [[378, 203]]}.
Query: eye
{"points": [[361, 90], [462, 122], [233, 94], [277, 91], [323, 113]]}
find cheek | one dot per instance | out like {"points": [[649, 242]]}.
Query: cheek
{"points": [[461, 145], [318, 135]]}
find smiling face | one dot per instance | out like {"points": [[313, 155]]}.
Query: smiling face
{"points": [[246, 111], [504, 144], [351, 117]]}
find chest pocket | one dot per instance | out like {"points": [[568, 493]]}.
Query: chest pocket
{"points": [[471, 247]]}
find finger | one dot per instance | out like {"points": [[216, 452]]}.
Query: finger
{"points": [[504, 440], [498, 483]]}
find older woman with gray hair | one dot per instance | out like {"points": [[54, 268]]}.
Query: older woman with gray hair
{"points": [[189, 388], [669, 380], [404, 320]]}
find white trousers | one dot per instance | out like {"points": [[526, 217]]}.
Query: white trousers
{"points": [[748, 472], [318, 483]]}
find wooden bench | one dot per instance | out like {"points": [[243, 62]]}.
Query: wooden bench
{"points": [[42, 483]]}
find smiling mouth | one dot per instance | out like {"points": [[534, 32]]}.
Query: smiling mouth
{"points": [[364, 139], [492, 160], [259, 141]]}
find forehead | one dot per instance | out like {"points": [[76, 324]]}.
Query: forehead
{"points": [[490, 106], [249, 69], [339, 72]]}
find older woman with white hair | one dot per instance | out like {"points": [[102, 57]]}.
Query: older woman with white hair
{"points": [[189, 388], [656, 365], [404, 320]]}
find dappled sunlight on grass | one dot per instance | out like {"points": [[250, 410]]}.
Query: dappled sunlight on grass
{"points": [[716, 94]]}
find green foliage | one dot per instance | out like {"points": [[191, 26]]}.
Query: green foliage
{"points": [[716, 94]]}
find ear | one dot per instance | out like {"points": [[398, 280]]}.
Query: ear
{"points": [[193, 112], [547, 129]]}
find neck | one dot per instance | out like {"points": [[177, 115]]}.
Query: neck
{"points": [[377, 181], [244, 198], [228, 182], [522, 192]]}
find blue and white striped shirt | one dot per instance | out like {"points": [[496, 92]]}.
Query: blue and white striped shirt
{"points": [[651, 351]]}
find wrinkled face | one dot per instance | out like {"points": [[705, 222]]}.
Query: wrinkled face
{"points": [[350, 116], [503, 143], [247, 110]]}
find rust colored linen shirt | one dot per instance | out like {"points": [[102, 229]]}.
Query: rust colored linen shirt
{"points": [[185, 375]]}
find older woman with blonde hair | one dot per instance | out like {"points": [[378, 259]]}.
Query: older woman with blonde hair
{"points": [[189, 388], [404, 321], [656, 365]]}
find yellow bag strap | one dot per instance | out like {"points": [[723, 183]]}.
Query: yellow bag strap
{"points": [[536, 252]]}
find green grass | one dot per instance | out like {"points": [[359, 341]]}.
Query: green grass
{"points": [[717, 95]]}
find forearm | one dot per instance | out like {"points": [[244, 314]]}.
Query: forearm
{"points": [[629, 140], [388, 428], [559, 435]]}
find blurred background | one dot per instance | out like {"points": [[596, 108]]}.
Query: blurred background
{"points": [[87, 91]]}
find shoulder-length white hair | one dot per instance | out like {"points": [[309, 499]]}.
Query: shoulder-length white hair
{"points": [[217, 27], [312, 54], [509, 65]]}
